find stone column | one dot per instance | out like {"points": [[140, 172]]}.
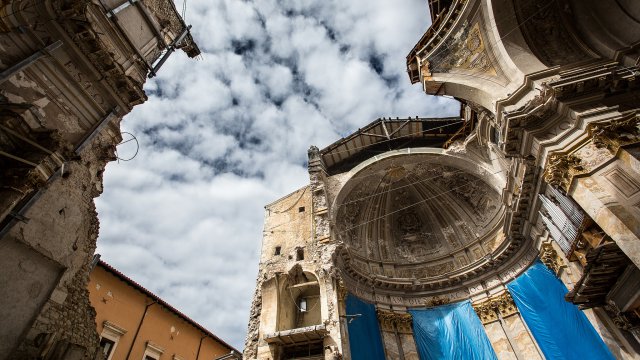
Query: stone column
{"points": [[342, 312], [506, 330]]}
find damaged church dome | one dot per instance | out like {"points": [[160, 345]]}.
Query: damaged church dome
{"points": [[418, 222]]}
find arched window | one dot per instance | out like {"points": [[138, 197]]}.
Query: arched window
{"points": [[299, 301]]}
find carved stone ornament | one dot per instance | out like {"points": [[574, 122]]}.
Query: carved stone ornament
{"points": [[612, 135], [560, 170], [628, 320], [550, 257], [392, 321], [495, 307], [485, 312], [341, 290], [437, 301], [505, 305]]}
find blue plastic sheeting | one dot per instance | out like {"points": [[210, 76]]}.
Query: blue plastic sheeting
{"points": [[561, 330], [364, 332], [450, 332]]}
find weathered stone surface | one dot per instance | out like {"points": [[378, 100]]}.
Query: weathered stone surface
{"points": [[66, 83]]}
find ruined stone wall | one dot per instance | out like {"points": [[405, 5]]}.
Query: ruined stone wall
{"points": [[63, 226], [287, 227], [69, 75]]}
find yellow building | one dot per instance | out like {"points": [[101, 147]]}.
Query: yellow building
{"points": [[134, 323]]}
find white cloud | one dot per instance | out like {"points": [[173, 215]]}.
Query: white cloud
{"points": [[224, 136]]}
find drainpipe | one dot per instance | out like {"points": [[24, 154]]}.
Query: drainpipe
{"points": [[135, 337], [199, 346]]}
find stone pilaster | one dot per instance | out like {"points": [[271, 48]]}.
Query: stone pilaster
{"points": [[505, 328], [317, 175], [397, 335]]}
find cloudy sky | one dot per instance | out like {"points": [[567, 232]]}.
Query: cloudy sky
{"points": [[222, 136]]}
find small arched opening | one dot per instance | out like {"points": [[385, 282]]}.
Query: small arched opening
{"points": [[299, 304]]}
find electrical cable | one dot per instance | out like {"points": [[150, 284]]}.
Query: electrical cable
{"points": [[384, 192], [395, 211]]}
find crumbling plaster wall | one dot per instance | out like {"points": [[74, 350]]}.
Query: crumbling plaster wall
{"points": [[63, 225], [296, 222], [287, 226]]}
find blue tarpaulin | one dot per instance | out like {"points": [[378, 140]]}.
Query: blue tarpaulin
{"points": [[450, 332], [364, 332], [561, 330]]}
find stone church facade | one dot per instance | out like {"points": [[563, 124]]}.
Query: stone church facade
{"points": [[69, 71], [542, 164]]}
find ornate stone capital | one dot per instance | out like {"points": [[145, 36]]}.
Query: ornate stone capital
{"points": [[605, 140], [485, 312], [504, 304], [392, 321], [550, 257], [495, 307], [612, 135], [561, 168]]}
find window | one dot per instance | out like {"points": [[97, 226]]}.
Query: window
{"points": [[299, 254], [277, 251], [302, 305], [301, 209], [152, 352], [107, 346], [109, 338]]}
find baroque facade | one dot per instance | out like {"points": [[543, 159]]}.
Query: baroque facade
{"points": [[69, 71], [543, 163]]}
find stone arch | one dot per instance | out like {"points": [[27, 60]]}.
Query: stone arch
{"points": [[299, 295], [428, 223]]}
